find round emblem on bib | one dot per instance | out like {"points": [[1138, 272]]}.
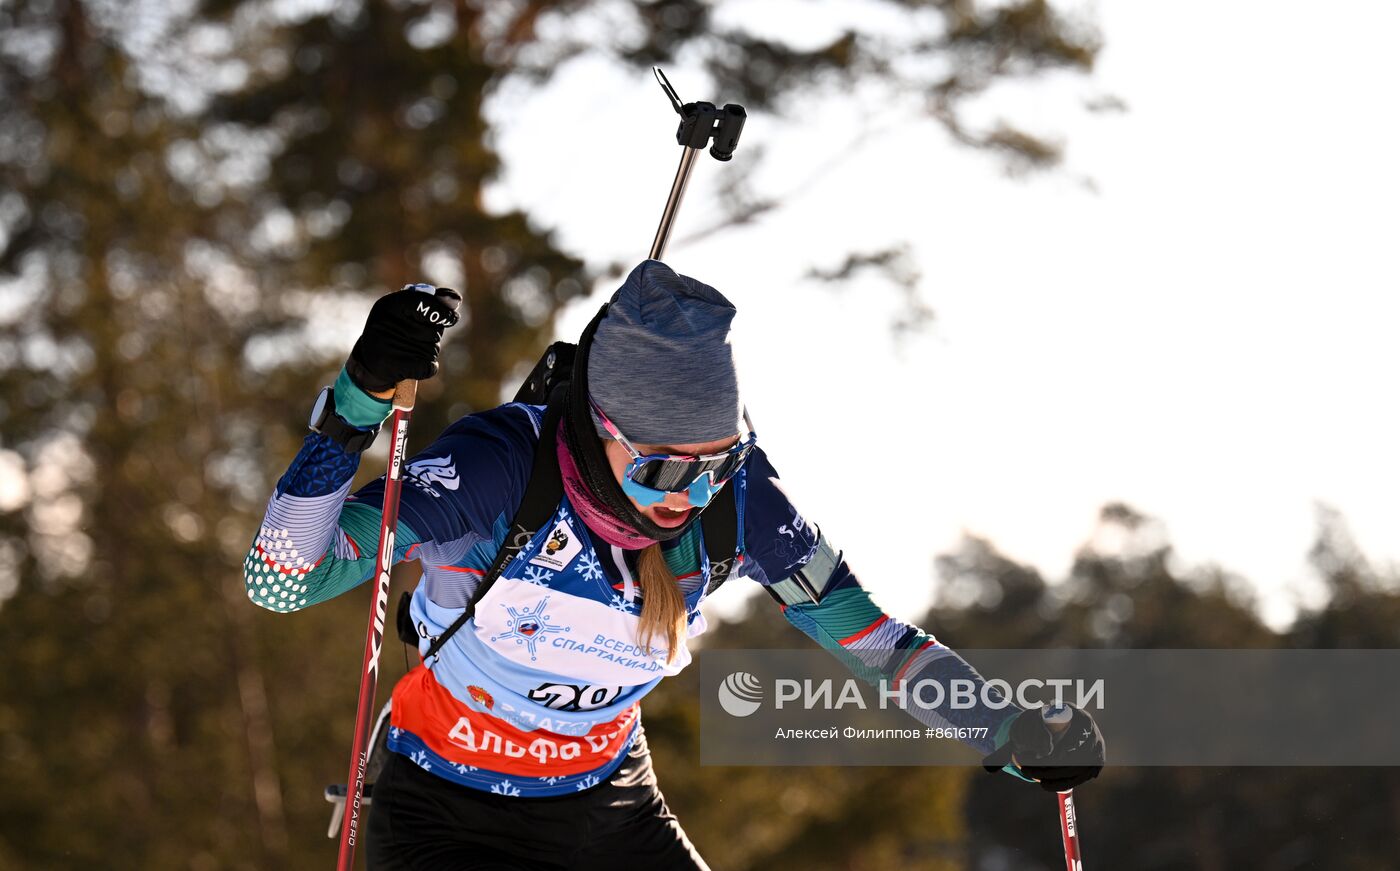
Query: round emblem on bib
{"points": [[528, 625]]}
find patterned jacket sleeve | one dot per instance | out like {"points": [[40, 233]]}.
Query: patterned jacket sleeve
{"points": [[317, 540], [820, 595]]}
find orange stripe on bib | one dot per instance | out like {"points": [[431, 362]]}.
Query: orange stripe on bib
{"points": [[467, 735]]}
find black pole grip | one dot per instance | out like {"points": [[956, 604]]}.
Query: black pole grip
{"points": [[697, 125], [731, 124]]}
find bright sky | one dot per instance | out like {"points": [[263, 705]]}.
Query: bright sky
{"points": [[1207, 338]]}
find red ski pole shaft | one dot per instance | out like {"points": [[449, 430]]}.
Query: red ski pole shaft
{"points": [[1058, 719], [350, 830], [1069, 831]]}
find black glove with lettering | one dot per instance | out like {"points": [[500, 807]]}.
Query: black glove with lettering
{"points": [[1060, 755], [402, 336]]}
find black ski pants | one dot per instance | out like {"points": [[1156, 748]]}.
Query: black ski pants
{"points": [[421, 822]]}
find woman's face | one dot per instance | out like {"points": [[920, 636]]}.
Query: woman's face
{"points": [[675, 509]]}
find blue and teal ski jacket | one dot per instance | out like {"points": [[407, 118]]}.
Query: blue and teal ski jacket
{"points": [[538, 693]]}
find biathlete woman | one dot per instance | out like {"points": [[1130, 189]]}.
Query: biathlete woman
{"points": [[519, 743]]}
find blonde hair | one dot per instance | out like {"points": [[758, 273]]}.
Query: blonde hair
{"points": [[663, 606]]}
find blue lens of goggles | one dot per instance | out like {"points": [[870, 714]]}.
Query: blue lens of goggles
{"points": [[700, 492]]}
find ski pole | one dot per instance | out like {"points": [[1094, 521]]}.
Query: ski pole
{"points": [[1057, 717], [700, 122], [1069, 831], [405, 393]]}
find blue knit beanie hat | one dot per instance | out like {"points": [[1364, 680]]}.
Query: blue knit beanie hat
{"points": [[661, 366]]}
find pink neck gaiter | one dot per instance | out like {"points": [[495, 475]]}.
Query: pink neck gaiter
{"points": [[593, 512]]}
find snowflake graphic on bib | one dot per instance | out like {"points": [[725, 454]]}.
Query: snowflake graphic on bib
{"points": [[528, 625]]}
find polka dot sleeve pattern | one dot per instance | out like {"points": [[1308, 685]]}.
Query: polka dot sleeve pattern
{"points": [[313, 545], [317, 540]]}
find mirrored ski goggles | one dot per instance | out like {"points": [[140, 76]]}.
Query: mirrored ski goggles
{"points": [[649, 477]]}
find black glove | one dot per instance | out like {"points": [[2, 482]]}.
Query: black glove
{"points": [[401, 337], [1059, 759]]}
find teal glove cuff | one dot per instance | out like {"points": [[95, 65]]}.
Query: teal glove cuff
{"points": [[1011, 769], [357, 407]]}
